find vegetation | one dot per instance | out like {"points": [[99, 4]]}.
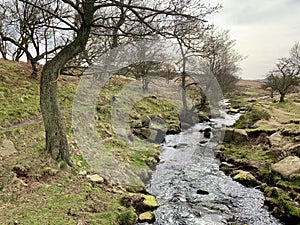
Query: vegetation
{"points": [[261, 119], [33, 187], [286, 74], [251, 116]]}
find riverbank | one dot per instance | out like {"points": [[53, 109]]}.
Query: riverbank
{"points": [[34, 188], [262, 149]]}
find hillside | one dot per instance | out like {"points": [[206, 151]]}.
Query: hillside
{"points": [[34, 189]]}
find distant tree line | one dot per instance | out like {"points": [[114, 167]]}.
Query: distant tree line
{"points": [[69, 35]]}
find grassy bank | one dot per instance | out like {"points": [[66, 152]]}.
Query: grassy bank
{"points": [[34, 189], [273, 135]]}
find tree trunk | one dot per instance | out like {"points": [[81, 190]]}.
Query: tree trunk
{"points": [[272, 94], [3, 51], [183, 93], [56, 139], [282, 95], [35, 68]]}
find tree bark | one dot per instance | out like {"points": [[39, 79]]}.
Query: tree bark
{"points": [[282, 95], [56, 139], [272, 93]]}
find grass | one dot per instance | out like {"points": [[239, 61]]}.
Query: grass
{"points": [[262, 118], [251, 116], [34, 189], [18, 94]]}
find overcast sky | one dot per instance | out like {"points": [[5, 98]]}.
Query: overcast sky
{"points": [[264, 30]]}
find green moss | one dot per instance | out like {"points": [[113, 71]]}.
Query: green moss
{"points": [[127, 217], [244, 151], [150, 202]]}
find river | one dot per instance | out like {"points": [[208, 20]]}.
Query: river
{"points": [[191, 190]]}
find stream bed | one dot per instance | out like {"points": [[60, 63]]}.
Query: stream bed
{"points": [[190, 188]]}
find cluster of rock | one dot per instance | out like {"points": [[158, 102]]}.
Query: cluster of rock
{"points": [[143, 204], [288, 166]]}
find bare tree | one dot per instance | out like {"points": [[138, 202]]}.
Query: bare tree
{"points": [[222, 59], [91, 15], [28, 30], [188, 34], [283, 77]]}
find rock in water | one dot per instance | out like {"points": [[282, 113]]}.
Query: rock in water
{"points": [[8, 148], [287, 167], [244, 177], [149, 202], [147, 217]]}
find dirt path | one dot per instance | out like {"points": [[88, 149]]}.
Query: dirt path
{"points": [[23, 124]]}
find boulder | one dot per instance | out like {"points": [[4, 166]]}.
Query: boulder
{"points": [[228, 136], [8, 148], [207, 133], [287, 167], [238, 135], [147, 217], [244, 177], [275, 139], [149, 202], [232, 111]]}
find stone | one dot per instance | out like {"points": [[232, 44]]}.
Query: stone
{"points": [[228, 136], [294, 150], [244, 177], [49, 171], [149, 202], [233, 111], [275, 139], [147, 217], [8, 148], [252, 100], [226, 164], [95, 178], [202, 192], [287, 167], [83, 173], [240, 135]]}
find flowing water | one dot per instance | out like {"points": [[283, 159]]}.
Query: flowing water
{"points": [[191, 190]]}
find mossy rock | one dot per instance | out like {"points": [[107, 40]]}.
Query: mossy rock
{"points": [[149, 202], [244, 177], [147, 217]]}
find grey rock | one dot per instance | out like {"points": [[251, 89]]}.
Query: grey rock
{"points": [[275, 139], [287, 167], [8, 148]]}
